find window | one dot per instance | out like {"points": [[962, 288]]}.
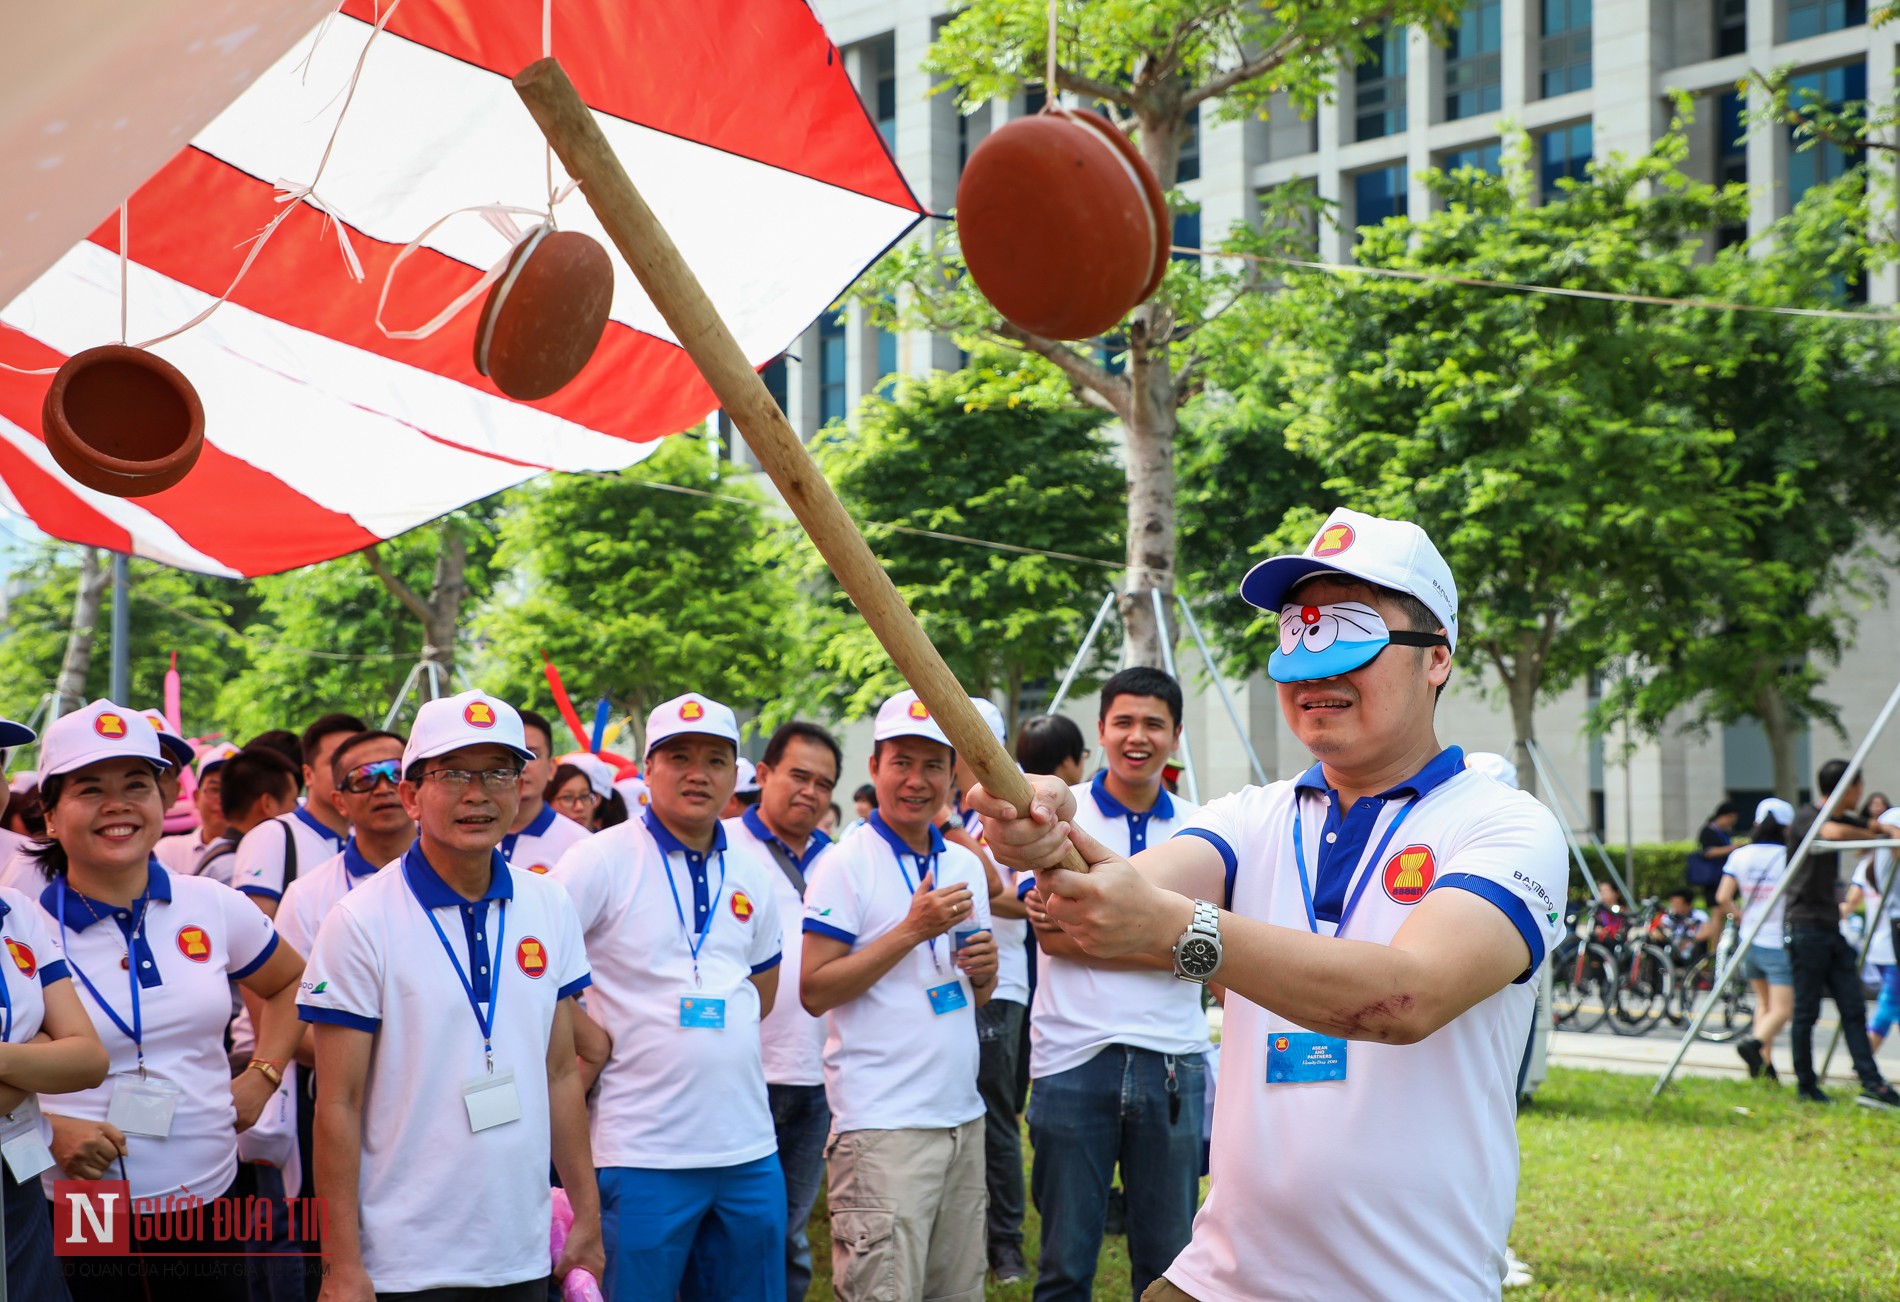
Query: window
{"points": [[1187, 235], [1188, 166], [1812, 17], [1731, 157], [833, 397], [1033, 100], [1378, 194], [775, 382], [886, 101], [1564, 55], [1560, 153], [1474, 71], [1731, 26], [1379, 87], [1833, 87], [1486, 158]]}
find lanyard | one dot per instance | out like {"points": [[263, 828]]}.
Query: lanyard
{"points": [[136, 1031], [486, 1023], [926, 864], [6, 1004], [1306, 887], [695, 943]]}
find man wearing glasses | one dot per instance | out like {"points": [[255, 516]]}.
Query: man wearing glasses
{"points": [[368, 770], [442, 992]]}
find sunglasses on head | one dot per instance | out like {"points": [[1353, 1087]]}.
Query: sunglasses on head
{"points": [[362, 779]]}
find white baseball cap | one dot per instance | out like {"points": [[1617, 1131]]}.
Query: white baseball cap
{"points": [[1393, 554], [176, 748], [691, 713], [992, 716], [906, 716], [748, 778], [472, 719], [1493, 766], [214, 757], [101, 731], [634, 792], [14, 734], [1774, 807], [600, 774]]}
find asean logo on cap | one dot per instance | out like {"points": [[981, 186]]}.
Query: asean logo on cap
{"points": [[742, 906], [918, 710], [692, 712], [23, 958], [1333, 539], [194, 944], [531, 956], [479, 714], [1409, 874], [110, 725]]}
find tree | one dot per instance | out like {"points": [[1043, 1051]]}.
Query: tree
{"points": [[439, 613], [1153, 65], [996, 451], [88, 596], [640, 593]]}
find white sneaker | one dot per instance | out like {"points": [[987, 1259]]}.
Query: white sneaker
{"points": [[1517, 1279]]}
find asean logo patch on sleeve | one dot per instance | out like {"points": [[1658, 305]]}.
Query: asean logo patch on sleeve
{"points": [[742, 906], [23, 957], [538, 868], [1333, 539], [479, 714], [1409, 874], [531, 956], [194, 944], [109, 725]]}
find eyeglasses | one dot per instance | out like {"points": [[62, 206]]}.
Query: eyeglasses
{"points": [[364, 778], [577, 799], [492, 779]]}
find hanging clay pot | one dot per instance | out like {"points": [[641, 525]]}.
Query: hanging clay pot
{"points": [[1063, 225], [544, 317], [123, 421]]}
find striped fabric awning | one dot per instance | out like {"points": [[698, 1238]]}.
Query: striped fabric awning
{"points": [[736, 119]]}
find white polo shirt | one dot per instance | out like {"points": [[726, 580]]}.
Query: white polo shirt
{"points": [[18, 869], [1011, 934], [1757, 869], [1401, 1180], [182, 854], [190, 938], [259, 869], [540, 845], [891, 1062], [1081, 1010], [309, 899], [36, 964], [444, 1206], [792, 1040], [670, 1097]]}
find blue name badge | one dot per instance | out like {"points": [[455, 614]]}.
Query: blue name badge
{"points": [[1301, 1057], [700, 1013], [947, 998]]}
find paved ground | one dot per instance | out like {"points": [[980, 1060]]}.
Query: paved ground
{"points": [[1602, 1050]]}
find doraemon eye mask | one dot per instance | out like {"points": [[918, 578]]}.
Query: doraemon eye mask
{"points": [[1326, 641]]}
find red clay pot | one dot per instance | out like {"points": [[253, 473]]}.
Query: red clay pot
{"points": [[1063, 226], [544, 317], [123, 421]]}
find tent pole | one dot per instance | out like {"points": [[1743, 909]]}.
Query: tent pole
{"points": [[1167, 660], [402, 694], [1564, 813], [120, 679], [1213, 667], [1075, 665], [1596, 842]]}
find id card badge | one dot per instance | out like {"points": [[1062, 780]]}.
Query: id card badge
{"points": [[1304, 1058], [143, 1105], [948, 997], [700, 1012], [21, 1144], [491, 1101]]}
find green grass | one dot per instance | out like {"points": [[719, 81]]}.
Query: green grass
{"points": [[1723, 1190]]}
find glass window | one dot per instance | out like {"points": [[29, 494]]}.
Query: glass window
{"points": [[1378, 194], [1834, 87], [1731, 156], [833, 397], [887, 103], [886, 357], [774, 377], [1564, 55], [1731, 26], [1560, 153], [1474, 69], [1379, 88], [1812, 17], [1486, 158], [1187, 234], [1188, 166]]}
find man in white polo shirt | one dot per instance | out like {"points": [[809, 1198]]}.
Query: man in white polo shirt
{"points": [[539, 836], [442, 995], [683, 929], [1376, 923], [367, 779], [898, 956], [269, 857], [1117, 1053], [796, 777], [187, 851]]}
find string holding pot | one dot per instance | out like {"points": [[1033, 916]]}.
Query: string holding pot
{"points": [[123, 421]]}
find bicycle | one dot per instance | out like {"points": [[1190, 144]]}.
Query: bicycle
{"points": [[1646, 973], [1734, 1011], [1583, 976]]}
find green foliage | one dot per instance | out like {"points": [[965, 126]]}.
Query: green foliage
{"points": [[1656, 868], [637, 592]]}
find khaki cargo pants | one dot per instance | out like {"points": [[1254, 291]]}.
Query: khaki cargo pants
{"points": [[907, 1214], [1162, 1291]]}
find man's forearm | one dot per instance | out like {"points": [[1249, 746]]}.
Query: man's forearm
{"points": [[573, 1153], [1057, 943], [337, 1163], [846, 977]]}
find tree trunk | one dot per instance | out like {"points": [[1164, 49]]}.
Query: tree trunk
{"points": [[1784, 736], [69, 690], [440, 614], [1520, 682]]}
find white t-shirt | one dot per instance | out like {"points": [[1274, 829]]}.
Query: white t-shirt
{"points": [[37, 963], [891, 1062], [1011, 934], [1081, 1010], [673, 1097], [791, 1039], [259, 869], [19, 870], [1757, 869], [540, 845], [193, 937], [1401, 1180], [182, 854], [309, 899], [380, 966]]}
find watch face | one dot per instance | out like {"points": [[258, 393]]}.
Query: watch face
{"points": [[1199, 956]]}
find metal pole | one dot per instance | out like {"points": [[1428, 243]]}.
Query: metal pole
{"points": [[1075, 666], [1213, 667], [120, 687], [1564, 814], [1629, 812], [1571, 804], [1860, 959], [435, 679], [402, 694], [1795, 861], [1167, 661]]}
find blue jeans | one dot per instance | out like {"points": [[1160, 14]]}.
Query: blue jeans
{"points": [[999, 1028], [714, 1234], [802, 1118], [1124, 1106]]}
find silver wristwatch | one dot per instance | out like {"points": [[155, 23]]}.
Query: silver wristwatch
{"points": [[1197, 954]]}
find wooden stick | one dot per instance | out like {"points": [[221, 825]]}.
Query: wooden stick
{"points": [[569, 125]]}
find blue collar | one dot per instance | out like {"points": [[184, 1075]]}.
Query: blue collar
{"points": [[897, 843], [540, 823], [1440, 769], [670, 844], [310, 821], [355, 864], [1163, 806], [158, 888], [814, 844], [4, 910], [437, 894]]}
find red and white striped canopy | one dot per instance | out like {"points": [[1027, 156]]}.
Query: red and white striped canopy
{"points": [[736, 119]]}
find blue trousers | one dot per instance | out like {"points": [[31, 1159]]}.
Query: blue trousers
{"points": [[802, 1118], [32, 1270], [1128, 1107], [714, 1234]]}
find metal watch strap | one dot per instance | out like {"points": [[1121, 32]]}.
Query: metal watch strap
{"points": [[1206, 924]]}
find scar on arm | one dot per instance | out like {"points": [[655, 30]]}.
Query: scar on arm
{"points": [[1371, 1015]]}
